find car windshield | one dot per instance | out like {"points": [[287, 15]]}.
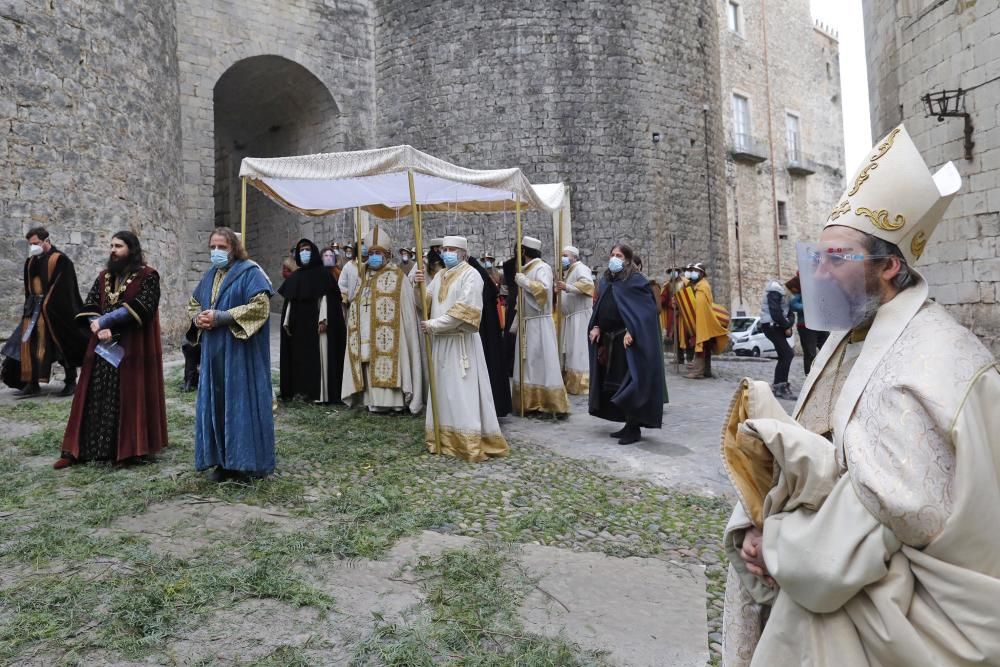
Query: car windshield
{"points": [[740, 325]]}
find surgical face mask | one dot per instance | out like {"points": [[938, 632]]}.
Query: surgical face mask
{"points": [[220, 258], [329, 260], [349, 254], [34, 249], [616, 264], [450, 258], [375, 261], [336, 253], [488, 264], [305, 256], [404, 257], [364, 250], [565, 262]]}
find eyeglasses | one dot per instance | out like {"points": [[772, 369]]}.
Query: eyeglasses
{"points": [[837, 257]]}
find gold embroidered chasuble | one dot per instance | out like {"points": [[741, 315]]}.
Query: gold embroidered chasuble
{"points": [[576, 305], [382, 357], [543, 386], [882, 542], [468, 422]]}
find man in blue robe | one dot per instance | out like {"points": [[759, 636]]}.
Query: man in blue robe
{"points": [[234, 426]]}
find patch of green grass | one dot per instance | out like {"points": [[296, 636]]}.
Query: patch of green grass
{"points": [[468, 617]]}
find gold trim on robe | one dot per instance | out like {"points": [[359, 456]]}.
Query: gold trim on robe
{"points": [[385, 329], [585, 287], [466, 313], [540, 399], [576, 382], [471, 446]]}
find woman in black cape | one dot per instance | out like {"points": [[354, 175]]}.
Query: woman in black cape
{"points": [[626, 362]]}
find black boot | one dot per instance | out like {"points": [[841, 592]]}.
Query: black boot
{"points": [[69, 385], [708, 361], [631, 435], [192, 355], [620, 432], [28, 391]]}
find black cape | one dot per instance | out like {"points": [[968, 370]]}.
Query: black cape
{"points": [[640, 396], [493, 347], [510, 310], [300, 360]]}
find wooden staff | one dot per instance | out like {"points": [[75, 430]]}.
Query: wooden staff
{"points": [[559, 295], [418, 234], [243, 214]]}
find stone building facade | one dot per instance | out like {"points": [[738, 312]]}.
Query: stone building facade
{"points": [[916, 47], [137, 114], [784, 137]]}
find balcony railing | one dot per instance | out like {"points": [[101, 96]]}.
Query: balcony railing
{"points": [[747, 149]]}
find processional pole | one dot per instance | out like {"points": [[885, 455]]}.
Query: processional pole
{"points": [[418, 236], [522, 349], [243, 214], [357, 249], [560, 295]]}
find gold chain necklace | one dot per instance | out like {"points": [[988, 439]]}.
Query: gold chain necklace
{"points": [[116, 294]]}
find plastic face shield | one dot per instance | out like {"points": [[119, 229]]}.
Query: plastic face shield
{"points": [[834, 286]]}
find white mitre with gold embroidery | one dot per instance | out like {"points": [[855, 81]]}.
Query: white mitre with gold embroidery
{"points": [[894, 196], [378, 239]]}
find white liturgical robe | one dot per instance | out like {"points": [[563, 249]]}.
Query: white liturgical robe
{"points": [[575, 306], [542, 386], [884, 542], [467, 425], [382, 358]]}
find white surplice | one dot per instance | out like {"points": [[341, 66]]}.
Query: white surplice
{"points": [[543, 387], [467, 420], [349, 281], [575, 306], [884, 542], [382, 367]]}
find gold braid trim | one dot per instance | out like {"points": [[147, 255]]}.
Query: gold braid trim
{"points": [[541, 399], [585, 287], [466, 313], [449, 277], [250, 317], [538, 291], [386, 286], [576, 382], [471, 446], [135, 315]]}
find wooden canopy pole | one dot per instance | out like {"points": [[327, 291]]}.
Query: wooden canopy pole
{"points": [[418, 235], [243, 214], [521, 347], [357, 248], [559, 295]]}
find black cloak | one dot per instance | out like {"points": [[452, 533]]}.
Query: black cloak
{"points": [[493, 348], [300, 360], [510, 310], [639, 397]]}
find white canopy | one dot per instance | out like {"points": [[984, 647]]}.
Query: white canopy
{"points": [[376, 180]]}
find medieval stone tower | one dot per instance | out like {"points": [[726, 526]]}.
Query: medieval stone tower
{"points": [[135, 115]]}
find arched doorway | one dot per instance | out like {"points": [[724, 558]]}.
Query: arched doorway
{"points": [[269, 106]]}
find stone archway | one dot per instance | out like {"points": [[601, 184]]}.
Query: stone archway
{"points": [[268, 106]]}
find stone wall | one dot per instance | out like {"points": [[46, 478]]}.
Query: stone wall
{"points": [[90, 140], [573, 92], [920, 47], [802, 71], [299, 78]]}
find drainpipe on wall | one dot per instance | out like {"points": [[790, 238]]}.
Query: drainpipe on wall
{"points": [[770, 143]]}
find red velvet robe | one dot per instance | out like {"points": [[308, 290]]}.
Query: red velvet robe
{"points": [[142, 412]]}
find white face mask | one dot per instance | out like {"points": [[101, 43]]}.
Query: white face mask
{"points": [[34, 250]]}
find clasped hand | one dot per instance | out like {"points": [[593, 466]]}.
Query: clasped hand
{"points": [[752, 553], [103, 335], [205, 319]]}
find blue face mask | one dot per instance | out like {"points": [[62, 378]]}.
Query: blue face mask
{"points": [[615, 264], [305, 256], [375, 261], [488, 264], [565, 262], [220, 258], [450, 258], [364, 250]]}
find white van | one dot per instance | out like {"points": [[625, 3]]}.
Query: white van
{"points": [[748, 338]]}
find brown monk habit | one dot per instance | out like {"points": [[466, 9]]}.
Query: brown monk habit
{"points": [[120, 413]]}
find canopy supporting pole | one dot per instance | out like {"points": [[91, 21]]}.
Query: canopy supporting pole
{"points": [[559, 295], [418, 236], [243, 214], [521, 346], [357, 248]]}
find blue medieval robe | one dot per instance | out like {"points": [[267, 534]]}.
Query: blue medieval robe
{"points": [[234, 425]]}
